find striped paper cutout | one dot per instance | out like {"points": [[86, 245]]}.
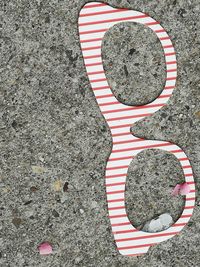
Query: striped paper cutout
{"points": [[95, 20]]}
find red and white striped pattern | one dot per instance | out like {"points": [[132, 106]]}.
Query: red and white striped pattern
{"points": [[95, 20]]}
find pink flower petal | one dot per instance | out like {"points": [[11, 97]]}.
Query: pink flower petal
{"points": [[181, 189], [185, 189], [176, 190], [45, 248]]}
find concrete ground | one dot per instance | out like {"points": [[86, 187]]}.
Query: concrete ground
{"points": [[52, 134]]}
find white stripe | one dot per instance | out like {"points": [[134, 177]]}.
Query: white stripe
{"points": [[115, 188], [115, 196], [117, 212], [134, 251], [115, 204], [94, 9], [110, 16]]}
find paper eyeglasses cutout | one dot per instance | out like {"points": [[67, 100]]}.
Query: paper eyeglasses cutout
{"points": [[95, 20]]}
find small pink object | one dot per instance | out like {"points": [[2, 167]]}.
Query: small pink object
{"points": [[184, 189], [181, 189], [45, 248]]}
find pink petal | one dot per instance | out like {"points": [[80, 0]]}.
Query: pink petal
{"points": [[181, 189], [185, 189], [176, 190], [45, 248]]}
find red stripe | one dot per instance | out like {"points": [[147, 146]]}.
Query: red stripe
{"points": [[186, 167], [171, 78], [192, 191], [130, 117], [162, 30], [117, 216], [120, 224], [152, 23], [167, 46], [169, 87], [115, 200], [116, 184], [188, 174], [135, 108], [122, 158], [94, 5], [116, 168], [191, 183], [121, 126], [98, 80], [96, 72], [100, 88], [176, 151], [145, 237], [170, 54], [88, 57], [139, 246], [164, 38], [115, 175], [93, 64], [171, 62], [164, 96], [115, 192], [178, 224], [189, 207], [140, 147], [90, 40], [182, 159], [186, 216], [91, 48], [104, 12], [109, 103], [121, 134], [103, 96], [93, 31], [113, 20], [128, 141], [172, 70], [125, 231], [190, 198], [117, 208]]}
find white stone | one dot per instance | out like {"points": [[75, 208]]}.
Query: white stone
{"points": [[159, 224]]}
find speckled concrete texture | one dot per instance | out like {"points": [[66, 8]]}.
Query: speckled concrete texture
{"points": [[54, 141]]}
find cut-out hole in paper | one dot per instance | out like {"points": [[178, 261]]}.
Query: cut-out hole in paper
{"points": [[134, 63], [151, 177]]}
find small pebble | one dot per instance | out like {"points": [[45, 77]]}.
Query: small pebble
{"points": [[197, 114], [65, 187], [33, 189], [81, 211], [38, 169], [57, 185], [27, 202], [64, 198], [55, 213], [16, 221], [159, 224]]}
